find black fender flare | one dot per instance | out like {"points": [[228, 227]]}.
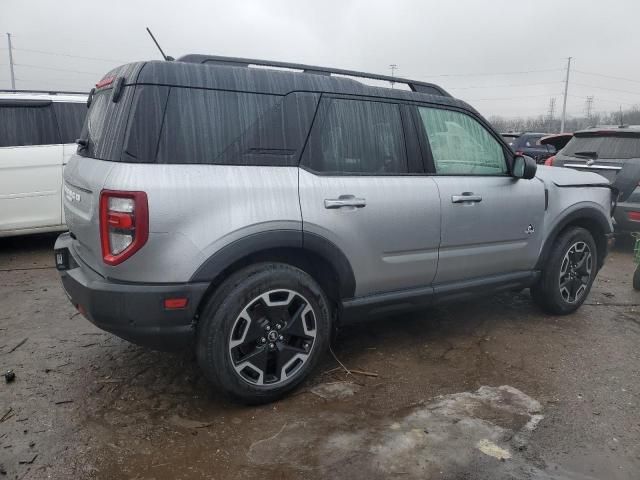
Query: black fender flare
{"points": [[589, 214], [255, 243]]}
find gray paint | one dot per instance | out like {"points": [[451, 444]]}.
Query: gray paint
{"points": [[397, 231]]}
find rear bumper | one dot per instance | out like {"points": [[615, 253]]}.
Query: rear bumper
{"points": [[132, 311]]}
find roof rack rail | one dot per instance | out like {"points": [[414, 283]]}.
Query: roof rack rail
{"points": [[50, 92], [414, 85]]}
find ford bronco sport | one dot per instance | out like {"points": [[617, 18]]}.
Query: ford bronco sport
{"points": [[244, 211]]}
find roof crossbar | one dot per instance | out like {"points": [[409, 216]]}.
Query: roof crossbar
{"points": [[414, 85]]}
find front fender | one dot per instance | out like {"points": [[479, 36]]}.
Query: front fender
{"points": [[586, 215]]}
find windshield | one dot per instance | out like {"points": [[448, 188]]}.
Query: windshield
{"points": [[611, 147]]}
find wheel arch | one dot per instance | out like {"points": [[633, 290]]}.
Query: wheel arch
{"points": [[589, 218], [312, 253]]}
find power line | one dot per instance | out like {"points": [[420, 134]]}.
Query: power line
{"points": [[607, 76], [609, 89], [616, 102], [505, 85], [44, 52], [489, 74], [56, 69], [506, 98]]}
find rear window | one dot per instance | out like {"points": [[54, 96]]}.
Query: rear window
{"points": [[532, 141], [105, 125], [510, 139], [28, 125], [70, 118], [611, 147]]}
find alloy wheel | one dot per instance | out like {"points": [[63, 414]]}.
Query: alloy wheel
{"points": [[575, 272], [272, 337]]}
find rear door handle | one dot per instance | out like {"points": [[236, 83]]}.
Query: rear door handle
{"points": [[345, 201], [466, 197]]}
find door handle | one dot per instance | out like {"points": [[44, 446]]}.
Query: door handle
{"points": [[466, 197], [345, 201]]}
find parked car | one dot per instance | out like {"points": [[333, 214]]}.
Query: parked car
{"points": [[558, 142], [613, 152], [248, 211], [529, 144], [37, 136]]}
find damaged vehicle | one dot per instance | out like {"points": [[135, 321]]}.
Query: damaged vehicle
{"points": [[613, 152], [245, 208]]}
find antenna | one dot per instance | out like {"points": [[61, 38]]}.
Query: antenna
{"points": [[166, 57]]}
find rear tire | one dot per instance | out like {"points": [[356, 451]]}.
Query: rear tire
{"points": [[568, 274], [263, 332]]}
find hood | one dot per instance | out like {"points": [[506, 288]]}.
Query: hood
{"points": [[568, 177]]}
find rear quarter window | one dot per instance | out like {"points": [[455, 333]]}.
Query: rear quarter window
{"points": [[200, 126]]}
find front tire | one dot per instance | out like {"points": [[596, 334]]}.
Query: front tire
{"points": [[263, 331], [569, 273]]}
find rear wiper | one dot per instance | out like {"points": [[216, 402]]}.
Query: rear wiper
{"points": [[593, 155]]}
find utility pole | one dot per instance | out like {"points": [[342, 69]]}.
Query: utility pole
{"points": [[588, 108], [393, 68], [13, 78], [621, 122], [552, 108], [564, 102]]}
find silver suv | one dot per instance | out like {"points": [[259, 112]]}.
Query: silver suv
{"points": [[245, 211]]}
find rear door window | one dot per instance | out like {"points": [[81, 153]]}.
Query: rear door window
{"points": [[606, 147], [358, 137], [28, 124], [460, 145], [70, 118]]}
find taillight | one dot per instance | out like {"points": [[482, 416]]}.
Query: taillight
{"points": [[633, 216], [124, 224], [549, 161]]}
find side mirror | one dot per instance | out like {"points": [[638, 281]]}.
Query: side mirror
{"points": [[524, 167]]}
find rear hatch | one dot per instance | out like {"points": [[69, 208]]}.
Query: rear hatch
{"points": [[612, 153], [100, 145]]}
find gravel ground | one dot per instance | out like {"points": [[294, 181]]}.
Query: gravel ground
{"points": [[487, 389]]}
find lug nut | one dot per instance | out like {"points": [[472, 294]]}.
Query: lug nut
{"points": [[305, 346], [267, 328], [280, 338], [278, 326], [263, 340], [272, 345]]}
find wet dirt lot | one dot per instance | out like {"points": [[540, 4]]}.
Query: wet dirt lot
{"points": [[489, 389]]}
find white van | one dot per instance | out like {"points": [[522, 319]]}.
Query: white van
{"points": [[37, 135]]}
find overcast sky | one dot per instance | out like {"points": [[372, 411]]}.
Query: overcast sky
{"points": [[475, 49]]}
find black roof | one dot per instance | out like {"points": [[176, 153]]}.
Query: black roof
{"points": [[226, 73]]}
